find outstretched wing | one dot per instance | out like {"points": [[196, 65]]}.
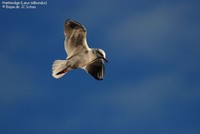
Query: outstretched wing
{"points": [[96, 69], [75, 38]]}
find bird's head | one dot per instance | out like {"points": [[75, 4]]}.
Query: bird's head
{"points": [[101, 55]]}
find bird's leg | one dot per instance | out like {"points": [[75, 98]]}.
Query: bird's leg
{"points": [[63, 71]]}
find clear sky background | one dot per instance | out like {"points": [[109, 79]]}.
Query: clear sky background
{"points": [[152, 80]]}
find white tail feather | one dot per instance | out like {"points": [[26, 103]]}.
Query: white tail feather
{"points": [[58, 66]]}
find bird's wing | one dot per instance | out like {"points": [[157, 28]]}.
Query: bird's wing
{"points": [[96, 69], [75, 38]]}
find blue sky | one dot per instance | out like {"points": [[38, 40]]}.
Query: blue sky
{"points": [[152, 80]]}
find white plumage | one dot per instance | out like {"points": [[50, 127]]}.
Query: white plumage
{"points": [[79, 55]]}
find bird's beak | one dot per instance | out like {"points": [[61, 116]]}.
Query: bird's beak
{"points": [[105, 59]]}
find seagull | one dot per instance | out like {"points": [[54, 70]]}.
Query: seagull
{"points": [[79, 55]]}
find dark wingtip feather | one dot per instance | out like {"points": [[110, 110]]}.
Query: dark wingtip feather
{"points": [[97, 71]]}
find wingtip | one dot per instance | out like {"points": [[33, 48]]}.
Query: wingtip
{"points": [[67, 20], [72, 23], [71, 20], [98, 79]]}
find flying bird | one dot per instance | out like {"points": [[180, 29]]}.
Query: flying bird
{"points": [[79, 55]]}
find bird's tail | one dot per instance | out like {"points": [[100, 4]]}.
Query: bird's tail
{"points": [[59, 68]]}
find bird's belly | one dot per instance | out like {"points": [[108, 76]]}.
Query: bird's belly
{"points": [[80, 61]]}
